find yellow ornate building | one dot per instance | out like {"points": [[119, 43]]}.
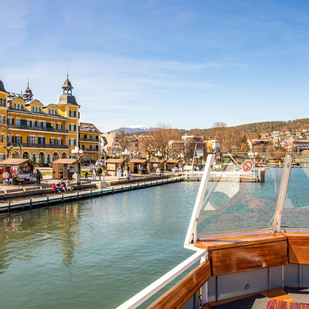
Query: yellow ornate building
{"points": [[29, 129]]}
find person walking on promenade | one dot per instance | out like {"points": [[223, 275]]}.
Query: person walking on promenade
{"points": [[99, 172], [94, 174], [86, 175], [38, 176]]}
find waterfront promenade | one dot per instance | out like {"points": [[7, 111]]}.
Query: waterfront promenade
{"points": [[29, 196]]}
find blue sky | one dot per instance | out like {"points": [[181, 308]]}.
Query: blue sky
{"points": [[188, 63]]}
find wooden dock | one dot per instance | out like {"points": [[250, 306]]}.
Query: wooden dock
{"points": [[7, 207]]}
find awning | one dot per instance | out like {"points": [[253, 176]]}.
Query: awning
{"points": [[173, 161], [138, 161], [156, 161], [114, 161], [13, 161], [65, 161]]}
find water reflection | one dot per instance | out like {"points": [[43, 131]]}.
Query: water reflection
{"points": [[40, 232], [95, 253]]}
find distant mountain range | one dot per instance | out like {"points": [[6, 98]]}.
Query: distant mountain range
{"points": [[250, 128], [130, 130]]}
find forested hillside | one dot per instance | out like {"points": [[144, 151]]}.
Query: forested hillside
{"points": [[254, 129]]}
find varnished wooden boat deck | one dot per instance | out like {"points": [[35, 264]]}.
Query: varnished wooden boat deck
{"points": [[233, 253], [276, 294], [238, 252]]}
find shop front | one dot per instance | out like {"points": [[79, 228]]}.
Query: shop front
{"points": [[172, 165], [64, 168], [138, 166], [16, 171], [114, 166], [155, 164]]}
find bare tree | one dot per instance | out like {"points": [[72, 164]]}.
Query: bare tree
{"points": [[123, 139], [230, 137], [158, 143]]}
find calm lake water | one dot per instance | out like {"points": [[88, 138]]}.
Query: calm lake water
{"points": [[93, 253], [99, 252]]}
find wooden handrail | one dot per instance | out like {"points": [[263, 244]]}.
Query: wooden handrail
{"points": [[177, 296]]}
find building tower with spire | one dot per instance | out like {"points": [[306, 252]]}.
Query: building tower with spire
{"points": [[28, 95], [69, 108]]}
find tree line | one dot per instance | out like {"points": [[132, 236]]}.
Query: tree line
{"points": [[231, 138]]}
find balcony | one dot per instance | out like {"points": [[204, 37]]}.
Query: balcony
{"points": [[90, 150], [24, 145], [35, 128], [89, 140]]}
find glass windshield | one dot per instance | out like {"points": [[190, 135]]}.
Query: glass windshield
{"points": [[242, 192], [296, 207]]}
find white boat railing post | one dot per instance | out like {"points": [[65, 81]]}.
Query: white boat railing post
{"points": [[282, 192], [192, 230]]}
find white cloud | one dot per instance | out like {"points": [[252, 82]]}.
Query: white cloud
{"points": [[127, 88]]}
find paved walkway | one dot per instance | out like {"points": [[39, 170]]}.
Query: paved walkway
{"points": [[48, 181], [137, 181], [26, 203]]}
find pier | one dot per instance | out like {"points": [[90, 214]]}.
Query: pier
{"points": [[215, 176], [51, 199]]}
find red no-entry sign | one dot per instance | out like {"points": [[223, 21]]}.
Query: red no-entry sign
{"points": [[247, 166]]}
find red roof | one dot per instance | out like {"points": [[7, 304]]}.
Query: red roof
{"points": [[258, 140]]}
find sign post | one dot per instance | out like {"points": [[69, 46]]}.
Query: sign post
{"points": [[247, 166]]}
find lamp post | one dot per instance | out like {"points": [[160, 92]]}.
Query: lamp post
{"points": [[78, 153], [126, 155], [158, 170], [20, 145], [181, 158]]}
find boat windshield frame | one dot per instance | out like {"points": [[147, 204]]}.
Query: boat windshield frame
{"points": [[192, 232]]}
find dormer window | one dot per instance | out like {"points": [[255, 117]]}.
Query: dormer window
{"points": [[36, 109], [52, 112]]}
